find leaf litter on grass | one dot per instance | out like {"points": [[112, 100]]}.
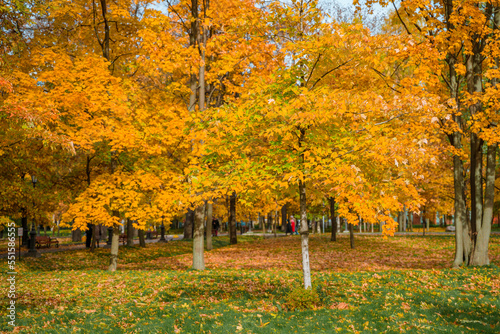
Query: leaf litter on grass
{"points": [[385, 297]]}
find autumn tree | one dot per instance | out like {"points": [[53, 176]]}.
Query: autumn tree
{"points": [[463, 39]]}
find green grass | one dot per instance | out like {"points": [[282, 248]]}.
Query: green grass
{"points": [[61, 294]]}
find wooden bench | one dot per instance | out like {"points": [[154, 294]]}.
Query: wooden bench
{"points": [[42, 240], [123, 238]]}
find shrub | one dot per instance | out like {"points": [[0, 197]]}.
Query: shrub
{"points": [[302, 299]]}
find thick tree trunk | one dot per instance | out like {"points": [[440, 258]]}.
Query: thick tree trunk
{"points": [[94, 237], [332, 217], [351, 235], [130, 233], [142, 241], [76, 235], [198, 246], [233, 239], [115, 243], [209, 225], [480, 252], [283, 218], [188, 226], [304, 236]]}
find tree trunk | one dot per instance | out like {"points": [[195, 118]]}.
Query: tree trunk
{"points": [[275, 222], [480, 252], [130, 233], [209, 225], [233, 239], [198, 246], [332, 216], [410, 226], [405, 218], [269, 222], [94, 236], [142, 241], [283, 218], [304, 236], [76, 235], [188, 226], [115, 243], [262, 225], [351, 235]]}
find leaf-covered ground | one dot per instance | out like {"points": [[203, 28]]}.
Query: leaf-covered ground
{"points": [[392, 285]]}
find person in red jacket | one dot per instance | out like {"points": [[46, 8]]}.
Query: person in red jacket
{"points": [[292, 222]]}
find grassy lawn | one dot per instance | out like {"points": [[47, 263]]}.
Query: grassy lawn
{"points": [[384, 285]]}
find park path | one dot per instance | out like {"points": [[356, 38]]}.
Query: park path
{"points": [[64, 248], [257, 234]]}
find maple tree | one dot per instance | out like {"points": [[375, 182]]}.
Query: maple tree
{"points": [[463, 39], [308, 125]]}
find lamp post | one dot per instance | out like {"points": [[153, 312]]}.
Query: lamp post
{"points": [[32, 251], [162, 230]]}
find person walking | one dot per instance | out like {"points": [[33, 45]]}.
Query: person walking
{"points": [[288, 227], [215, 226], [293, 225]]}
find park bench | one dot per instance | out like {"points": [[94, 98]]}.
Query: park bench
{"points": [[43, 240], [450, 228], [123, 238]]}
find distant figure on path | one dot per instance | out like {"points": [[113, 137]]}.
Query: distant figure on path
{"points": [[293, 224], [215, 226], [288, 227]]}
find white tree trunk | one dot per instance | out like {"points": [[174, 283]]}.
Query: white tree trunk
{"points": [[304, 237]]}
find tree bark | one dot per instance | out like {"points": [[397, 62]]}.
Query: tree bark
{"points": [[304, 236], [115, 244], [334, 222], [130, 233], [480, 252], [142, 241], [94, 237], [76, 235], [262, 225], [198, 246], [188, 226], [233, 239], [275, 222], [351, 235], [283, 218], [209, 225]]}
